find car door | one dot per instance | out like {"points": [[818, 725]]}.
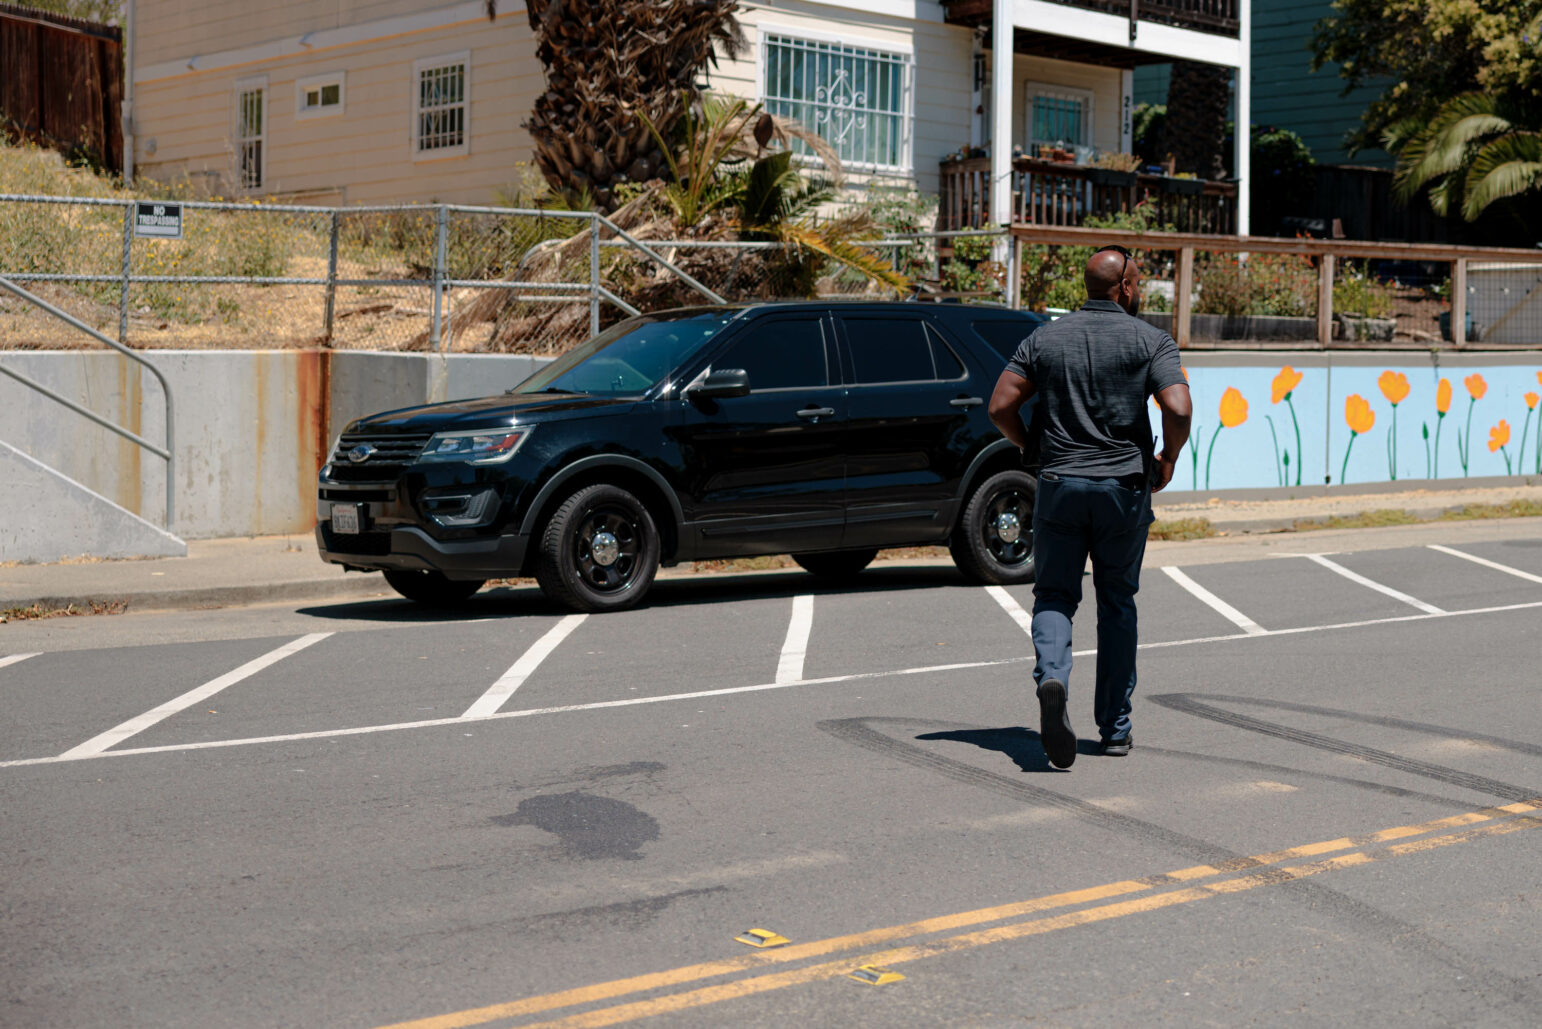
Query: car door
{"points": [[764, 473], [910, 405]]}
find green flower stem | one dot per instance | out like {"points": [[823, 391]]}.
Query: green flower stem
{"points": [[1343, 473], [1506, 455], [1279, 477], [1440, 418], [1426, 450], [1539, 444], [1209, 453], [1520, 454], [1290, 404], [1392, 444], [1466, 448], [1199, 437]]}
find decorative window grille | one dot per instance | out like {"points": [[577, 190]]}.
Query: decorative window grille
{"points": [[856, 98], [1059, 116], [251, 135], [440, 121]]}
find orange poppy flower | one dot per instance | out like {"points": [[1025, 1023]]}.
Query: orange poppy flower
{"points": [[1498, 436], [1358, 413], [1394, 386], [1531, 401], [1443, 396], [1284, 384], [1234, 408], [1475, 385]]}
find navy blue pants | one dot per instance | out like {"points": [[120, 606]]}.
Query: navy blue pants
{"points": [[1106, 519]]}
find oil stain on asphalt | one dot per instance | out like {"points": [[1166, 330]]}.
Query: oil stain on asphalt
{"points": [[590, 827]]}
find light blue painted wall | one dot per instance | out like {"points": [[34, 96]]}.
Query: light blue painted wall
{"points": [[1249, 455]]}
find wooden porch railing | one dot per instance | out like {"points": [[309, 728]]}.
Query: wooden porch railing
{"points": [[1049, 193], [1218, 16]]}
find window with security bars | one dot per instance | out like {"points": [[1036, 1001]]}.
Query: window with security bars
{"points": [[440, 115], [1061, 118], [251, 135], [857, 99]]}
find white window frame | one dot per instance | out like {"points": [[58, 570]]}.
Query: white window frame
{"points": [[907, 112], [318, 82], [1085, 97], [258, 83], [419, 66]]}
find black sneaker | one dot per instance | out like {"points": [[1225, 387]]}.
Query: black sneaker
{"points": [[1055, 725], [1117, 747]]}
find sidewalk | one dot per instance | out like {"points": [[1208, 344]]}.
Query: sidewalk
{"points": [[228, 572]]}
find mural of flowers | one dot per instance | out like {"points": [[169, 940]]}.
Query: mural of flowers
{"points": [[1498, 436], [1520, 453], [1360, 418], [1284, 385], [1442, 407], [1234, 411], [1476, 387], [1539, 432], [1394, 386]]}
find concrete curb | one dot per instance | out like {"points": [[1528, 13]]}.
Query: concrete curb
{"points": [[213, 596]]}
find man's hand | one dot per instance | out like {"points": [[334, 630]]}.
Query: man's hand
{"points": [[1164, 473]]}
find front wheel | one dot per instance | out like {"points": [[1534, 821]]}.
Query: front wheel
{"points": [[994, 541], [599, 551], [431, 588], [836, 564]]}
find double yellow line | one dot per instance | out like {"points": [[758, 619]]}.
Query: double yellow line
{"points": [[1245, 874]]}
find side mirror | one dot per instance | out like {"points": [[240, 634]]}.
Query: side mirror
{"points": [[721, 383]]}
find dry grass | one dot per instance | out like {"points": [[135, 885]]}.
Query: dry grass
{"points": [[1178, 529], [1376, 519], [1517, 508], [40, 610]]}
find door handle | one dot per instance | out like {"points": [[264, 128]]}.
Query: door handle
{"points": [[966, 401], [815, 413]]}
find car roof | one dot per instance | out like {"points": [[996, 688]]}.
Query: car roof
{"points": [[946, 310]]}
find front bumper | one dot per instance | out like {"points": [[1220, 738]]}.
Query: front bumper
{"points": [[408, 547]]}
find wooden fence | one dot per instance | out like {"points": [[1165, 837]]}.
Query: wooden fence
{"points": [[62, 84]]}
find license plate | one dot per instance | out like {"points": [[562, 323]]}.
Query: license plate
{"points": [[345, 518]]}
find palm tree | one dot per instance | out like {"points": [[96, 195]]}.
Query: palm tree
{"points": [[1477, 150], [1194, 132], [607, 62]]}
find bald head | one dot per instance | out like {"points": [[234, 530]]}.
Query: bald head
{"points": [[1112, 276]]}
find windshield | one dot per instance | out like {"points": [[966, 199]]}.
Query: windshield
{"points": [[630, 357]]}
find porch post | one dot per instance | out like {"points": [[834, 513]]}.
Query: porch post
{"points": [[1127, 110], [1242, 132], [1001, 113]]}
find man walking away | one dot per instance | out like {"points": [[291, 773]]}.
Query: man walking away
{"points": [[1093, 371]]}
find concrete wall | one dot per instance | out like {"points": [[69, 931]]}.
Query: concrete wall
{"points": [[252, 427]]}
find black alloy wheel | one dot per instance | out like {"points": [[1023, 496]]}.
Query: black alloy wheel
{"points": [[599, 551], [836, 564], [431, 588], [994, 540]]}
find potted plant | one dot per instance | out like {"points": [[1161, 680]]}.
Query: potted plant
{"points": [[1114, 169], [1184, 184]]}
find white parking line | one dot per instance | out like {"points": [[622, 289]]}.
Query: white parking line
{"points": [[1334, 566], [1010, 605], [1485, 562], [365, 730], [500, 691], [1215, 603], [97, 744], [789, 667], [11, 659]]}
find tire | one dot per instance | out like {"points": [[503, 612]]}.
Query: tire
{"points": [[989, 549], [432, 588], [836, 564], [570, 569]]}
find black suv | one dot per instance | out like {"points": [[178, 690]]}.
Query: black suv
{"points": [[826, 430]]}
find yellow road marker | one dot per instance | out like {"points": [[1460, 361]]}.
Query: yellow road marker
{"points": [[1259, 873], [762, 938], [874, 976]]}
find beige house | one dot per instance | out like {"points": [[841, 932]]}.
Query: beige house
{"points": [[376, 101]]}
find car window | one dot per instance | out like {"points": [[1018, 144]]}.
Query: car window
{"points": [[889, 349], [947, 362], [1004, 335], [785, 353], [629, 357]]}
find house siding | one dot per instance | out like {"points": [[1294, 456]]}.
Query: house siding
{"points": [[365, 154], [172, 29]]}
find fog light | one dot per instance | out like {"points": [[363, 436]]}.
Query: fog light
{"points": [[462, 510]]}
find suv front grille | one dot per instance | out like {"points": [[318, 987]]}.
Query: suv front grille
{"points": [[365, 544], [383, 463]]}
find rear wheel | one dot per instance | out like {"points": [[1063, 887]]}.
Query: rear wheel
{"points": [[432, 588], [836, 564], [599, 551], [994, 541]]}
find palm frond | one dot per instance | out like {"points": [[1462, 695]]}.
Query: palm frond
{"points": [[1506, 167], [852, 255], [1446, 144]]}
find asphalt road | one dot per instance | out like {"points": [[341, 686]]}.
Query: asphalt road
{"points": [[353, 814]]}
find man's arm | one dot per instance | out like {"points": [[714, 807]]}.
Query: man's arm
{"points": [[1007, 399], [1177, 412]]}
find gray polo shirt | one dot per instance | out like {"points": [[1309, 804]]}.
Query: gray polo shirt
{"points": [[1094, 369]]}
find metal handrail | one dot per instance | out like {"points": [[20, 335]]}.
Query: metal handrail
{"points": [[167, 454]]}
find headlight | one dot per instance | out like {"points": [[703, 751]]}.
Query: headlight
{"points": [[474, 446]]}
